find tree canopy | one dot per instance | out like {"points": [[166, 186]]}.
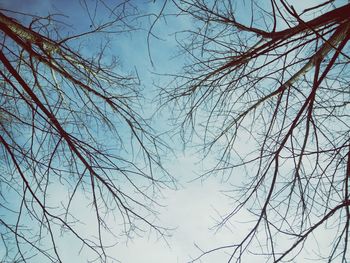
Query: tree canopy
{"points": [[277, 77], [264, 87], [71, 124]]}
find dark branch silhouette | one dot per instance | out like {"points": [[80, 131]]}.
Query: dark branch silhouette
{"points": [[280, 78], [71, 122]]}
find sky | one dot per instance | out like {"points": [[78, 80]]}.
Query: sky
{"points": [[194, 208]]}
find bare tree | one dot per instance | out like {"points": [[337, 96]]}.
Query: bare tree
{"points": [[278, 78], [70, 128]]}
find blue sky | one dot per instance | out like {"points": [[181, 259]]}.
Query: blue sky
{"points": [[188, 210], [192, 209]]}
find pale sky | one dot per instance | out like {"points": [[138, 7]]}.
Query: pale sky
{"points": [[194, 208]]}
